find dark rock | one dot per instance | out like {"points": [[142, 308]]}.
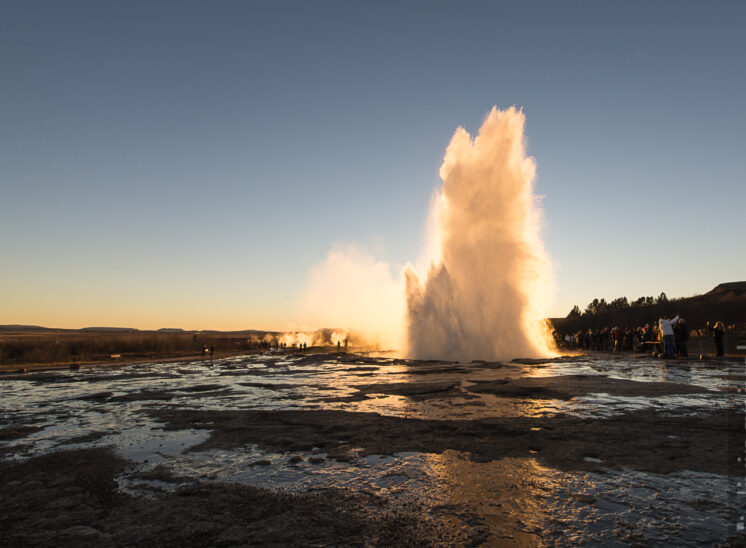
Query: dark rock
{"points": [[15, 432], [588, 499], [83, 533], [65, 503], [97, 396], [236, 534]]}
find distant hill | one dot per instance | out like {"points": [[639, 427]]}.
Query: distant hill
{"points": [[108, 330], [40, 329], [725, 302], [240, 332], [17, 327], [730, 289], [103, 329]]}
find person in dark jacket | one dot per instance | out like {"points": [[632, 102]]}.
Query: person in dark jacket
{"points": [[718, 331], [681, 337]]}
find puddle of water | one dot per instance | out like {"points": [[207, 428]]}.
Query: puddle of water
{"points": [[143, 445], [239, 380], [516, 500], [704, 374], [513, 501], [74, 404]]}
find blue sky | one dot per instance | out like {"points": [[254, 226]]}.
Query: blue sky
{"points": [[185, 163]]}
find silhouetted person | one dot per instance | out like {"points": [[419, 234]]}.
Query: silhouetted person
{"points": [[339, 344], [681, 337], [204, 351], [212, 350], [718, 331], [617, 334], [345, 344]]}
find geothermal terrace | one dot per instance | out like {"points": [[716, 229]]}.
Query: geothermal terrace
{"points": [[339, 449]]}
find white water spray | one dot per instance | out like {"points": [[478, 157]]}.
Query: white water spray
{"points": [[488, 282]]}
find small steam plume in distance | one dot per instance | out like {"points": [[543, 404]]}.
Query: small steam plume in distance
{"points": [[351, 289]]}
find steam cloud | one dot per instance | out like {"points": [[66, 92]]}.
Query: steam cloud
{"points": [[490, 275], [352, 289]]}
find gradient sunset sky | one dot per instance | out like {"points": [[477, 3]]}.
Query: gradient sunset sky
{"points": [[185, 164]]}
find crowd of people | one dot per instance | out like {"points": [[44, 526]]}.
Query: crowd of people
{"points": [[667, 337]]}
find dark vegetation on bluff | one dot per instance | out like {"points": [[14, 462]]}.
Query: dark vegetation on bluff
{"points": [[726, 302]]}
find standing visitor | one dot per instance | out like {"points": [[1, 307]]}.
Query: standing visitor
{"points": [[666, 328], [617, 334], [605, 339], [718, 330], [681, 337]]}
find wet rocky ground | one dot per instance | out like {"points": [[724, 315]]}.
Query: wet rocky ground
{"points": [[349, 449]]}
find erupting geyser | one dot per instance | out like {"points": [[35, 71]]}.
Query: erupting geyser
{"points": [[489, 277], [485, 292]]}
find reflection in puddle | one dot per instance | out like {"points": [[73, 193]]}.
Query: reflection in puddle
{"points": [[269, 382], [512, 501]]}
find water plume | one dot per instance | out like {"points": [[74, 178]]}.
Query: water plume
{"points": [[489, 275]]}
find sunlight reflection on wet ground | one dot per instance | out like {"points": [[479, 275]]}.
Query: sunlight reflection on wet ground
{"points": [[516, 501]]}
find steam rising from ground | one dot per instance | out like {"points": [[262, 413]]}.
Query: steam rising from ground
{"points": [[352, 289], [488, 275], [306, 339], [484, 293]]}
